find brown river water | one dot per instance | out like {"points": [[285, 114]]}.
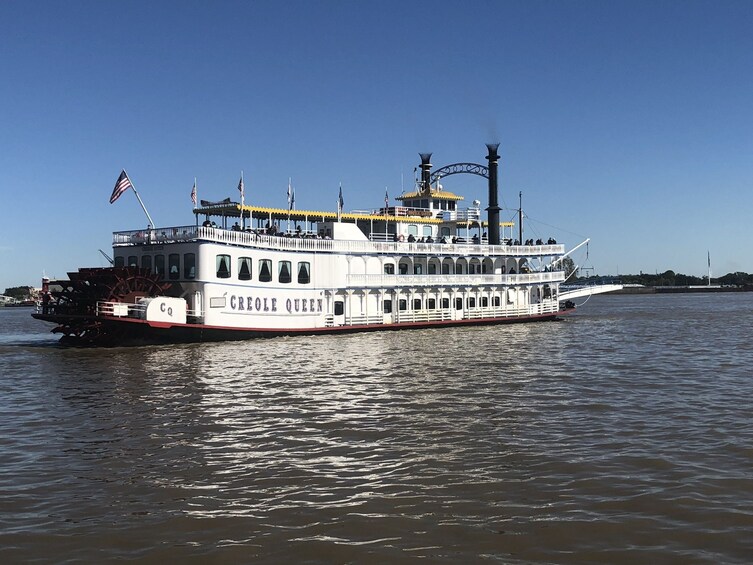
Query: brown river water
{"points": [[622, 434]]}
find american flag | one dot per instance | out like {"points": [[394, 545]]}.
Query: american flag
{"points": [[193, 193], [386, 200], [123, 184], [241, 187], [340, 201]]}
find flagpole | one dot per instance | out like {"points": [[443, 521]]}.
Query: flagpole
{"points": [[148, 217], [243, 196], [196, 199]]}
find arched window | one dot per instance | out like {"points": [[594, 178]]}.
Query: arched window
{"points": [[223, 266]]}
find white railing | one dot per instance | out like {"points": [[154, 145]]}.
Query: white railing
{"points": [[251, 239], [390, 281]]}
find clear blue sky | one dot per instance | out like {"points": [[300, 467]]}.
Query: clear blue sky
{"points": [[627, 122]]}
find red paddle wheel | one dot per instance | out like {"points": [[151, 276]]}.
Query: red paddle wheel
{"points": [[73, 302]]}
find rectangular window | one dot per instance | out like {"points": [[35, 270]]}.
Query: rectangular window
{"points": [[223, 266], [389, 269], [159, 265], [427, 230], [265, 270], [146, 262], [496, 301], [417, 304], [189, 265], [133, 261], [472, 302], [412, 229], [432, 268], [403, 269], [484, 302], [173, 266], [446, 269], [402, 304], [283, 272], [339, 308], [418, 269], [458, 304], [387, 306], [445, 303], [304, 272], [119, 261], [431, 304], [244, 268], [459, 269]]}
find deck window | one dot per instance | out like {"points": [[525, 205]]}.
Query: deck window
{"points": [[417, 304], [244, 268], [159, 264], [304, 272], [427, 230], [223, 266], [146, 262], [339, 308], [484, 302], [412, 229], [459, 269], [387, 306], [403, 268], [418, 269], [496, 301], [445, 303], [432, 269], [189, 265], [265, 270], [133, 261], [173, 266], [119, 261], [446, 269], [389, 269], [458, 304], [431, 304], [402, 304], [283, 272], [472, 302]]}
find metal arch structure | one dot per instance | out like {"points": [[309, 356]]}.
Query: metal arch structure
{"points": [[459, 168]]}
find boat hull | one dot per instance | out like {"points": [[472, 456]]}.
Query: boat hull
{"points": [[113, 332]]}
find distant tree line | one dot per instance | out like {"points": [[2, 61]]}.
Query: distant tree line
{"points": [[19, 292], [670, 278]]}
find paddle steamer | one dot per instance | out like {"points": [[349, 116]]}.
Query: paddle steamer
{"points": [[246, 271]]}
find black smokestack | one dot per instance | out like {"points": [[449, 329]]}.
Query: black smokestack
{"points": [[425, 172], [493, 209]]}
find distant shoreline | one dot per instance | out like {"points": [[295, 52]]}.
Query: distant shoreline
{"points": [[680, 289]]}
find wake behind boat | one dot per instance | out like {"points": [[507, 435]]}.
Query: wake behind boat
{"points": [[425, 262]]}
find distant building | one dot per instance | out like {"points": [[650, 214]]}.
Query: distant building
{"points": [[6, 300]]}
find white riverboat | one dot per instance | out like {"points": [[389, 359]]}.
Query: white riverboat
{"points": [[243, 271]]}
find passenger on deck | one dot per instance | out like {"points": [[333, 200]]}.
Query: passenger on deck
{"points": [[411, 238], [443, 240], [207, 223], [429, 239], [236, 227], [475, 238]]}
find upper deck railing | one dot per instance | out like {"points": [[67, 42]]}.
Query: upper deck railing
{"points": [[389, 281], [182, 234]]}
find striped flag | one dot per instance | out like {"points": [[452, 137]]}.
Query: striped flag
{"points": [[241, 188], [291, 195], [386, 200], [340, 201], [193, 193], [123, 184]]}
